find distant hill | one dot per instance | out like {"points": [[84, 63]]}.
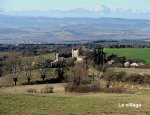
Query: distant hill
{"points": [[19, 29]]}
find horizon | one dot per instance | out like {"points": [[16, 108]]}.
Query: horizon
{"points": [[77, 8]]}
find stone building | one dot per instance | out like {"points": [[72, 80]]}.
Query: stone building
{"points": [[76, 54]]}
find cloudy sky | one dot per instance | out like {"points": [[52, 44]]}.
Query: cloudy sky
{"points": [[137, 7]]}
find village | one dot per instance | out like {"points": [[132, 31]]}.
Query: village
{"points": [[74, 57]]}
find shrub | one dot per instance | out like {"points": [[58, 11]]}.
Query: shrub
{"points": [[114, 90], [135, 78], [47, 89], [109, 75], [82, 88], [120, 76], [78, 75], [91, 88], [31, 90], [146, 78], [123, 77]]}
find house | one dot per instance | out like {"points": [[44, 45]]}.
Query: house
{"points": [[81, 58], [127, 64], [141, 64], [76, 54], [57, 60], [134, 65], [110, 62]]}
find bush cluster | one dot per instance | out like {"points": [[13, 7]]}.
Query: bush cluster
{"points": [[31, 90], [45, 90], [123, 77], [81, 88], [91, 88]]}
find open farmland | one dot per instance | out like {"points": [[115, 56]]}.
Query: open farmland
{"points": [[138, 53], [16, 101]]}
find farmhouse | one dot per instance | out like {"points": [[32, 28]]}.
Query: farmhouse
{"points": [[127, 64], [57, 60], [76, 54], [110, 62], [134, 65]]}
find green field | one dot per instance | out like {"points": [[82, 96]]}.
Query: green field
{"points": [[138, 53], [73, 104]]}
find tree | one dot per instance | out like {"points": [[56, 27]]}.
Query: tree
{"points": [[60, 73], [42, 70], [28, 72], [27, 67], [15, 73], [78, 75], [11, 62], [43, 74], [99, 56]]}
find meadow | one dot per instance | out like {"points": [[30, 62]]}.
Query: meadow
{"points": [[14, 100], [8, 80], [134, 53], [51, 72]]}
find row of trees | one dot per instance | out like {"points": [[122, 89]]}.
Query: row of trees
{"points": [[28, 74]]}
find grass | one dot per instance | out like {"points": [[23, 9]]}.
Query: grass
{"points": [[131, 71], [139, 53], [77, 104], [14, 100], [8, 81], [37, 59]]}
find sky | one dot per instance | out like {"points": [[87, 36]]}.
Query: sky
{"points": [[44, 5], [134, 9]]}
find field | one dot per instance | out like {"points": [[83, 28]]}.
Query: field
{"points": [[7, 80], [131, 71], [138, 53], [15, 100]]}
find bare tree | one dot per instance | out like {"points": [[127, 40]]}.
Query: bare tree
{"points": [[43, 70], [28, 72], [15, 73], [78, 75], [27, 66], [43, 74], [11, 62]]}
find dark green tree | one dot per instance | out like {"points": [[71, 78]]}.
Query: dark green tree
{"points": [[99, 56], [60, 74]]}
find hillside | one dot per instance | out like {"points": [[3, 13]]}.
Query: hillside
{"points": [[18, 29]]}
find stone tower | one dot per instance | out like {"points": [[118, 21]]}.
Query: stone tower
{"points": [[75, 53]]}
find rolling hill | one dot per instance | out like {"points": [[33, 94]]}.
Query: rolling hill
{"points": [[18, 29]]}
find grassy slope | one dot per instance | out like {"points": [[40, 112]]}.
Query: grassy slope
{"points": [[140, 53], [40, 57], [37, 104], [7, 80]]}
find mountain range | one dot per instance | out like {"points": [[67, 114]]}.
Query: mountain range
{"points": [[96, 12], [25, 29]]}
